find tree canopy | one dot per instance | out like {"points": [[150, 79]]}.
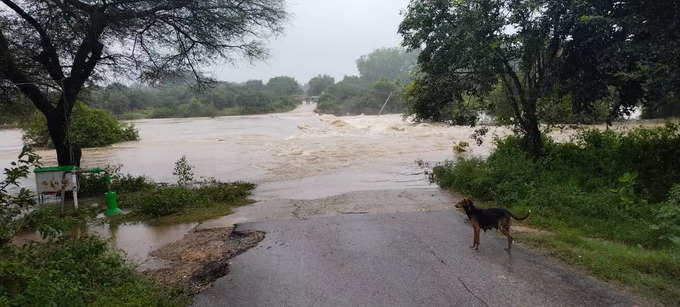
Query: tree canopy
{"points": [[284, 86], [389, 63], [537, 52], [50, 49], [319, 84]]}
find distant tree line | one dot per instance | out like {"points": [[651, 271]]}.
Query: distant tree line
{"points": [[382, 77], [180, 98]]}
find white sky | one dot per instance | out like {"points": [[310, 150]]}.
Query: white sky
{"points": [[323, 37]]}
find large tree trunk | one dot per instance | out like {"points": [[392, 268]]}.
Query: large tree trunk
{"points": [[533, 140], [59, 127]]}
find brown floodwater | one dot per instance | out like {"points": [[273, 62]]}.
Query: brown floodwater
{"points": [[291, 156]]}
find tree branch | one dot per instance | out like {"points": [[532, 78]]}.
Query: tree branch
{"points": [[25, 85], [49, 56]]}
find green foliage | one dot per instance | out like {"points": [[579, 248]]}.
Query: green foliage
{"points": [[609, 185], [162, 201], [91, 185], [394, 64], [181, 99], [354, 95], [655, 273], [13, 202], [319, 84], [283, 86], [183, 171], [667, 226], [430, 98], [85, 272], [89, 128], [383, 75]]}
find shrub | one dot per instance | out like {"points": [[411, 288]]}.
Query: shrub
{"points": [[89, 128], [95, 184], [609, 184], [13, 203], [164, 201], [161, 201], [183, 171], [75, 273], [226, 192]]}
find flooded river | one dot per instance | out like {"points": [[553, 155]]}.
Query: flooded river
{"points": [[291, 155], [294, 158]]}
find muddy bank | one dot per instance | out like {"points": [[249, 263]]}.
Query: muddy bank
{"points": [[201, 257]]}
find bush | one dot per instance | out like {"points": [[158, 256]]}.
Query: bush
{"points": [[89, 128], [611, 185], [95, 184], [75, 273], [162, 201], [14, 203], [165, 201], [184, 171]]}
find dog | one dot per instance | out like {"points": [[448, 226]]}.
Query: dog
{"points": [[486, 219]]}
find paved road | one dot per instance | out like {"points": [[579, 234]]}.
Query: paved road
{"points": [[397, 259]]}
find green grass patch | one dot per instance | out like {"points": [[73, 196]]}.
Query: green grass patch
{"points": [[83, 272], [654, 273], [183, 204]]}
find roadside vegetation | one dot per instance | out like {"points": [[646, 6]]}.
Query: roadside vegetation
{"points": [[73, 268], [189, 200], [611, 200]]}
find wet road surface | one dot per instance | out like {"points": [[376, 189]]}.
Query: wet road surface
{"points": [[397, 259]]}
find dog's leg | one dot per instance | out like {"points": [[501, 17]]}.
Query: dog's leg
{"points": [[475, 229], [475, 226], [504, 227]]}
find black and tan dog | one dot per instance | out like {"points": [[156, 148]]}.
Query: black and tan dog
{"points": [[486, 219]]}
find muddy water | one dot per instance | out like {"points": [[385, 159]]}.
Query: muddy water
{"points": [[293, 157], [279, 151]]}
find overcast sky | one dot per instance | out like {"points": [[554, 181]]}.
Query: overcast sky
{"points": [[323, 37]]}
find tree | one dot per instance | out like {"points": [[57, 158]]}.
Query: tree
{"points": [[626, 52], [283, 86], [50, 49], [319, 84], [388, 63], [473, 44]]}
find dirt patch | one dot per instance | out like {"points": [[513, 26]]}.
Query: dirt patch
{"points": [[525, 229], [201, 257]]}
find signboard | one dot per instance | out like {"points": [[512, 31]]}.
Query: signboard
{"points": [[52, 180]]}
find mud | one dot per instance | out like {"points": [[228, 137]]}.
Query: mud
{"points": [[201, 257]]}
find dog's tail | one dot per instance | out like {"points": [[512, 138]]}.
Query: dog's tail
{"points": [[520, 218]]}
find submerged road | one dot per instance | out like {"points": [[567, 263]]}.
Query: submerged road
{"points": [[397, 259]]}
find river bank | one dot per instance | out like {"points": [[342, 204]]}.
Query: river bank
{"points": [[305, 165]]}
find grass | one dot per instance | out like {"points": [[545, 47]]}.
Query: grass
{"points": [[146, 201], [611, 201], [182, 204], [83, 272], [653, 273], [199, 214]]}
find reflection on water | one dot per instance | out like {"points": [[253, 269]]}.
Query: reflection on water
{"points": [[139, 240]]}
